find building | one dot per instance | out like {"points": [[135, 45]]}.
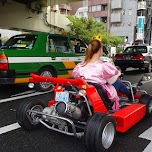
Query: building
{"points": [[99, 10], [75, 6], [82, 12], [65, 8], [123, 19]]}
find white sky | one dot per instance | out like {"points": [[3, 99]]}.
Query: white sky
{"points": [[8, 33]]}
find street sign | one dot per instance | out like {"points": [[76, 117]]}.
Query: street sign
{"points": [[140, 27]]}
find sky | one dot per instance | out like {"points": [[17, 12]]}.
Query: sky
{"points": [[8, 33]]}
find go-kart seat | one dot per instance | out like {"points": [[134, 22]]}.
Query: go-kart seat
{"points": [[103, 94]]}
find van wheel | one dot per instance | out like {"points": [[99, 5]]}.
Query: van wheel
{"points": [[45, 86]]}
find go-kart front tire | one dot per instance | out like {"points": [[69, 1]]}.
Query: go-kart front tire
{"points": [[147, 100], [27, 120], [100, 133]]}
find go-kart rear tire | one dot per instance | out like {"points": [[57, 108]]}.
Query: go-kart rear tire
{"points": [[25, 120], [100, 133], [147, 100]]}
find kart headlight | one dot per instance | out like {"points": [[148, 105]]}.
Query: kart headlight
{"points": [[31, 85], [82, 92]]}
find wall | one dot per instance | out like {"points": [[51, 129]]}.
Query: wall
{"points": [[15, 15]]}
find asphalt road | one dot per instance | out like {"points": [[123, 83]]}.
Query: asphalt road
{"points": [[45, 140]]}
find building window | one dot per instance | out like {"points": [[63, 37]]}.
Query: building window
{"points": [[98, 19], [104, 19], [93, 8], [130, 12], [104, 7], [123, 12], [98, 8]]}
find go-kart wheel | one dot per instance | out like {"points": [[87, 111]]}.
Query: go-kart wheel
{"points": [[100, 133], [147, 100], [28, 120]]}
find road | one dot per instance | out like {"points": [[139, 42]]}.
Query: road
{"points": [[15, 139]]}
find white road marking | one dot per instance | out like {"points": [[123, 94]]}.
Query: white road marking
{"points": [[22, 93], [147, 135], [8, 128], [23, 96]]}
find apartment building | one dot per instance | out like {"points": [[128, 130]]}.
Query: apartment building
{"points": [[99, 10], [123, 19]]}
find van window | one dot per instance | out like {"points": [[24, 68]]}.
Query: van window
{"points": [[78, 45], [51, 46], [21, 42], [61, 44]]}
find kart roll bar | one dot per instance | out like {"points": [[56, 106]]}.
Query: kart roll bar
{"points": [[67, 82]]}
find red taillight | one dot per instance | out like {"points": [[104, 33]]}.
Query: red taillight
{"points": [[58, 88], [118, 57], [3, 62], [138, 57]]}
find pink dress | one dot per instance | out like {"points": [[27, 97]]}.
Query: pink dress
{"points": [[99, 72]]}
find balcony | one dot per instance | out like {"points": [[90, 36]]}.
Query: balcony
{"points": [[116, 4], [116, 18]]}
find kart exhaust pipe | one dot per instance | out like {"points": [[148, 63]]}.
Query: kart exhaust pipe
{"points": [[66, 109]]}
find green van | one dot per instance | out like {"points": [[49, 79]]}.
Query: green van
{"points": [[42, 53]]}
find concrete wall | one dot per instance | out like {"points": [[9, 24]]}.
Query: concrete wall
{"points": [[15, 15]]}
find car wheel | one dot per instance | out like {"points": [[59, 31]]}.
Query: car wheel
{"points": [[45, 86], [29, 120], [148, 69], [100, 133], [147, 100]]}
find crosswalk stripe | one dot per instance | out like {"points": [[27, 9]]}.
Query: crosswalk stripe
{"points": [[8, 128]]}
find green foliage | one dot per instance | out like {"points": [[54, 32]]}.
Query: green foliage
{"points": [[87, 28]]}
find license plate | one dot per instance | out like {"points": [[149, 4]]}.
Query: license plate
{"points": [[62, 96], [127, 57]]}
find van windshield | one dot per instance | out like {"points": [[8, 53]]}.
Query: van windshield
{"points": [[20, 41], [136, 49]]}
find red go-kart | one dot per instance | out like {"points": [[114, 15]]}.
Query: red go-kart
{"points": [[82, 109]]}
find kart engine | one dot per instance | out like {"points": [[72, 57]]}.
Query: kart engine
{"points": [[68, 110]]}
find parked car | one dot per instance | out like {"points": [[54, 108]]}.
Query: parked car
{"points": [[136, 56]]}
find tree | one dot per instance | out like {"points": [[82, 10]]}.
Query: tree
{"points": [[87, 28]]}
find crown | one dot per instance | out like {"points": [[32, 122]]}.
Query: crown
{"points": [[98, 37]]}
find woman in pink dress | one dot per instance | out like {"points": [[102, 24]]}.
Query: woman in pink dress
{"points": [[93, 70]]}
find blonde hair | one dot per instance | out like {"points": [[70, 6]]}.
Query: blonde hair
{"points": [[93, 48]]}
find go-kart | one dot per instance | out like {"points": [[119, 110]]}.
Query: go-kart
{"points": [[82, 109]]}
